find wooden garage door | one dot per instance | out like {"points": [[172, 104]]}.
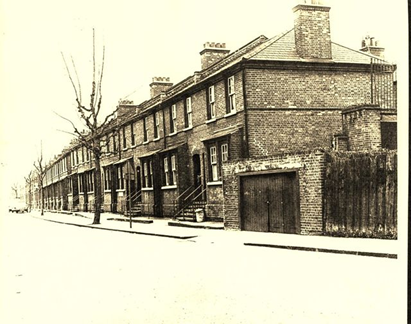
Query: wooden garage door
{"points": [[270, 203]]}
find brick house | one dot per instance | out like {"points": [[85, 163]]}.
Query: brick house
{"points": [[290, 95]]}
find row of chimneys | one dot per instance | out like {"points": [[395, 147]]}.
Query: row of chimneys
{"points": [[312, 41]]}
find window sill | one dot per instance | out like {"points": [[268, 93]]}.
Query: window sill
{"points": [[133, 146], [146, 142], [120, 190], [107, 190], [188, 128], [212, 120], [90, 192], [169, 187], [147, 189], [125, 149], [172, 134], [234, 112], [156, 139], [214, 183]]}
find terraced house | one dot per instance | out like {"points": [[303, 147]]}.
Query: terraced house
{"points": [[190, 144]]}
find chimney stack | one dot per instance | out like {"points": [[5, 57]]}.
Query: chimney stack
{"points": [[370, 45], [212, 53], [159, 85], [312, 30]]}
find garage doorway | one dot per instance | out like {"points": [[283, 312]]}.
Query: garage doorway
{"points": [[270, 202]]}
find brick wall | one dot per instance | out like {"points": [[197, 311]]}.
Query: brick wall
{"points": [[363, 128], [310, 168], [306, 89], [271, 131]]}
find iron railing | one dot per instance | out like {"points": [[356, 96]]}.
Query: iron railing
{"points": [[187, 201]]}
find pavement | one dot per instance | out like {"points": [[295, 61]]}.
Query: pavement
{"points": [[214, 233]]}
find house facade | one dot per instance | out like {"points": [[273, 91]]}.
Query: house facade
{"points": [[296, 92]]}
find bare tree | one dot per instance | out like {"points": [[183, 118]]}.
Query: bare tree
{"points": [[93, 137], [15, 188], [41, 172], [29, 184]]}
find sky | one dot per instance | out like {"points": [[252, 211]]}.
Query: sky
{"points": [[141, 40]]}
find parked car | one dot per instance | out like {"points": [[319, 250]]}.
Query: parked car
{"points": [[18, 207]]}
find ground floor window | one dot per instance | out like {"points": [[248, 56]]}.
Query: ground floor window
{"points": [[89, 177], [107, 178], [147, 173], [81, 182], [218, 152], [120, 177], [169, 170]]}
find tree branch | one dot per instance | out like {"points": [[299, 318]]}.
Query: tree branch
{"points": [[69, 75], [100, 82], [78, 80]]}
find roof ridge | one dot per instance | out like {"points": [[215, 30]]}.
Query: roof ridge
{"points": [[272, 41]]}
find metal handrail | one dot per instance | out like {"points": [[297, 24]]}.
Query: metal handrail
{"points": [[183, 193], [192, 193], [177, 200], [189, 202], [202, 191]]}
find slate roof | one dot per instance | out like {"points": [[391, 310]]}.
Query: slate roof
{"points": [[282, 48], [278, 48]]}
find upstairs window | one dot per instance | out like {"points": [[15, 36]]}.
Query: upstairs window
{"points": [[211, 114], [124, 138], [133, 137], [145, 131], [114, 142], [107, 144], [173, 119], [231, 108], [156, 117], [188, 113]]}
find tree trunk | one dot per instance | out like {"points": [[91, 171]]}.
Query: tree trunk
{"points": [[42, 199], [97, 189]]}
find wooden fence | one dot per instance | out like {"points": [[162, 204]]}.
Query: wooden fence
{"points": [[360, 194]]}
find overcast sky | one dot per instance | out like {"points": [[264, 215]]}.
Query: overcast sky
{"points": [[142, 40]]}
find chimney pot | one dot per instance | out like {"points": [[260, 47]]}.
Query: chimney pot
{"points": [[212, 53], [371, 45], [159, 85]]}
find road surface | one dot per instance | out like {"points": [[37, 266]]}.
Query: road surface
{"points": [[54, 273]]}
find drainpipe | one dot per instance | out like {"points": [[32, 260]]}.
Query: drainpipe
{"points": [[247, 150]]}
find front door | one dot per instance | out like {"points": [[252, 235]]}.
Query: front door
{"points": [[196, 170]]}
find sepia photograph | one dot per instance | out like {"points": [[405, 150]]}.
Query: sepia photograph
{"points": [[187, 162]]}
